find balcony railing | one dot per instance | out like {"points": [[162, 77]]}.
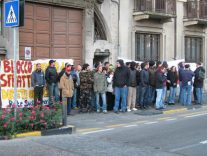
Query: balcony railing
{"points": [[156, 6], [196, 10]]}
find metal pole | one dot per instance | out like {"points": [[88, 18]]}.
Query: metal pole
{"points": [[15, 73]]}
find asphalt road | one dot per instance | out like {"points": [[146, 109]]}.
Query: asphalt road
{"points": [[183, 134]]}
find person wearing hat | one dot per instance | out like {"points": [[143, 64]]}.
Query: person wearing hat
{"points": [[51, 77], [187, 82], [152, 82], [67, 86]]}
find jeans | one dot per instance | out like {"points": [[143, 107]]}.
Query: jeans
{"points": [[164, 94], [74, 98], [144, 96], [151, 94], [68, 101], [103, 96], [199, 95], [120, 93], [180, 94], [172, 95], [186, 95], [53, 92], [159, 99], [138, 96]]}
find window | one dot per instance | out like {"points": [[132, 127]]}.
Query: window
{"points": [[193, 49], [147, 47]]}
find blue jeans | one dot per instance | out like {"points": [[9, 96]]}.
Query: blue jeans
{"points": [[186, 95], [68, 101], [199, 95], [144, 96], [74, 98], [164, 94], [180, 94], [120, 93], [103, 96], [151, 94], [53, 92], [159, 99], [172, 95]]}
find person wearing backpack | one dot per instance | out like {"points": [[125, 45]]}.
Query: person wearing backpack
{"points": [[131, 99], [198, 83]]}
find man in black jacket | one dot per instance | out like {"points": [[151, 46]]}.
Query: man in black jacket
{"points": [[198, 83], [120, 84], [144, 84], [51, 77]]}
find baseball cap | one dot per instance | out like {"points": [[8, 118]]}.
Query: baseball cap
{"points": [[51, 61]]}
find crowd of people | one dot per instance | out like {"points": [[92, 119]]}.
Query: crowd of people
{"points": [[126, 87]]}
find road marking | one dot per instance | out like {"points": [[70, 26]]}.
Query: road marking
{"points": [[103, 130], [190, 116], [184, 147], [116, 125], [149, 123], [172, 119], [131, 126], [88, 129], [204, 142], [179, 110], [165, 118]]}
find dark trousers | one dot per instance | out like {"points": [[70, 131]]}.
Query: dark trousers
{"points": [[110, 100], [38, 95]]}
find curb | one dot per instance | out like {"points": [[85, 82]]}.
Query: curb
{"points": [[70, 129], [175, 111], [28, 134]]}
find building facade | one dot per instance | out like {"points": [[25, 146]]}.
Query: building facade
{"points": [[103, 30], [164, 30], [83, 30]]}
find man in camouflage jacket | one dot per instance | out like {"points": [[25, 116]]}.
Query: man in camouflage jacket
{"points": [[86, 87]]}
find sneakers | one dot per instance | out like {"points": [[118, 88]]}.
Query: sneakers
{"points": [[128, 110], [134, 109], [105, 111]]}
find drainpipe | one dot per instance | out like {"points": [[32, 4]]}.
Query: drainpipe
{"points": [[175, 34], [118, 4]]}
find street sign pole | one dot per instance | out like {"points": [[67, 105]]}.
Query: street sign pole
{"points": [[15, 74]]}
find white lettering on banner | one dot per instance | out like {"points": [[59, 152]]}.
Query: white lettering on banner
{"points": [[25, 92]]}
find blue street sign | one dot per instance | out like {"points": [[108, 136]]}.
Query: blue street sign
{"points": [[11, 13]]}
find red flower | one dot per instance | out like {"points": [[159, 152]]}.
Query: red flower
{"points": [[38, 101], [42, 114], [31, 124], [45, 123], [17, 120], [33, 113], [2, 117], [5, 125], [20, 119], [41, 121], [20, 114], [13, 106]]}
